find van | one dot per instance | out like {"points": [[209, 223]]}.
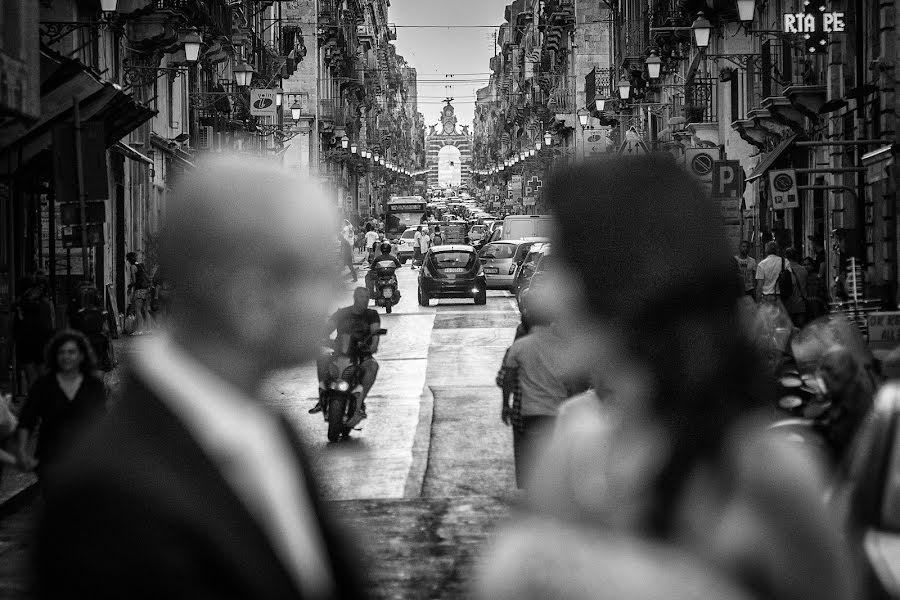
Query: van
{"points": [[519, 227]]}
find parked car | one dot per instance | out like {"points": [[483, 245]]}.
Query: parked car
{"points": [[452, 271], [525, 270], [517, 227], [500, 260], [541, 267], [867, 494]]}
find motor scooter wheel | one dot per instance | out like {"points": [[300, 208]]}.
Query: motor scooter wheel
{"points": [[337, 407]]}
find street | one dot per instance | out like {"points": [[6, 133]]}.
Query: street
{"points": [[421, 486]]}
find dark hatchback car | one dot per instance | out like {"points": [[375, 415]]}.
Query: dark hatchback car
{"points": [[452, 271]]}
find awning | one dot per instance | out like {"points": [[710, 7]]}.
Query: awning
{"points": [[131, 153], [770, 158], [64, 80]]}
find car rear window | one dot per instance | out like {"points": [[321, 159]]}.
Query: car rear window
{"points": [[498, 251], [451, 258], [409, 234]]}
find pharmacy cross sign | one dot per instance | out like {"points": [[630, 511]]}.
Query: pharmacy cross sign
{"points": [[533, 186]]}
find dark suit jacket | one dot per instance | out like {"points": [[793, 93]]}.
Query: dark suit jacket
{"points": [[140, 512]]}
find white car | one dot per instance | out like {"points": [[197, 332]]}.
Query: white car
{"points": [[406, 246]]}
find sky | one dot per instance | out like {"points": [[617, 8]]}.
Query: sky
{"points": [[436, 52]]}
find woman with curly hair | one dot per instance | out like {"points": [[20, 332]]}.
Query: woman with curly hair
{"points": [[64, 401]]}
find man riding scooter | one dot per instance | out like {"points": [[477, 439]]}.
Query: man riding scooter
{"points": [[380, 261], [359, 322]]}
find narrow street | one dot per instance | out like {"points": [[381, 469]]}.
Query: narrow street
{"points": [[423, 484]]}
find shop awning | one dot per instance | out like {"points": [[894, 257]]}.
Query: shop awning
{"points": [[64, 81], [770, 158]]}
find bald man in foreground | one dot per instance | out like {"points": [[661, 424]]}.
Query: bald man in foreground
{"points": [[192, 489]]}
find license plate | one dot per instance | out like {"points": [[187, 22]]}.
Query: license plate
{"points": [[454, 270], [491, 270]]}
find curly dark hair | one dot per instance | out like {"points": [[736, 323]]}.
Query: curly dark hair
{"points": [[88, 365]]}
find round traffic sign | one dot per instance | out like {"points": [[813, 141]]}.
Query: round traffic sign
{"points": [[783, 182], [702, 164]]}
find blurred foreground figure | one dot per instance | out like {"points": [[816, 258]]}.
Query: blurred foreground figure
{"points": [[666, 461], [192, 489]]}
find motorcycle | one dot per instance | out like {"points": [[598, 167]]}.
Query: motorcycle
{"points": [[386, 290], [342, 399]]}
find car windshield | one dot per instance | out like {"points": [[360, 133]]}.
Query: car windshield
{"points": [[450, 258], [477, 228], [409, 234], [498, 251]]}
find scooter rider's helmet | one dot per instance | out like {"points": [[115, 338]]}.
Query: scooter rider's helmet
{"points": [[385, 248]]}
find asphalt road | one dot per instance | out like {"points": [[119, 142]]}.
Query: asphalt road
{"points": [[430, 475]]}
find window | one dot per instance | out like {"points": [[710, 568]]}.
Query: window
{"points": [[499, 251], [449, 259]]}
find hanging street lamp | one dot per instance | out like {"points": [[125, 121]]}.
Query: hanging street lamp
{"points": [[296, 109], [192, 42], [279, 97], [583, 118], [745, 9], [599, 104], [624, 89], [345, 142], [702, 30], [654, 65], [548, 139], [353, 148], [108, 5], [243, 74]]}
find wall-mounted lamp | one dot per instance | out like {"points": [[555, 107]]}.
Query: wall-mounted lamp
{"points": [[702, 29], [654, 66]]}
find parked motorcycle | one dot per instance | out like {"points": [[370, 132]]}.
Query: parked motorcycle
{"points": [[386, 290], [342, 399]]}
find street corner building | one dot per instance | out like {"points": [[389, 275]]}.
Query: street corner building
{"points": [[105, 103]]}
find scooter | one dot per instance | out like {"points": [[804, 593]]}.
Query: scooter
{"points": [[342, 400], [386, 290]]}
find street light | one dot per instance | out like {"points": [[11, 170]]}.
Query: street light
{"points": [[296, 109], [524, 155], [599, 104], [531, 152], [702, 30], [243, 74], [654, 65], [192, 43], [548, 139], [345, 142], [353, 148], [108, 5], [537, 145], [624, 89], [745, 9], [583, 118], [279, 97]]}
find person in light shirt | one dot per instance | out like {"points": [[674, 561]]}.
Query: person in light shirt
{"points": [[192, 488], [767, 272]]}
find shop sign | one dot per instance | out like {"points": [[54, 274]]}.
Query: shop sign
{"points": [[262, 103], [783, 189], [884, 326], [810, 22]]}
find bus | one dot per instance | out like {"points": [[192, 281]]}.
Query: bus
{"points": [[403, 212]]}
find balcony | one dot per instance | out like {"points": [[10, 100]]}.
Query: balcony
{"points": [[331, 112]]}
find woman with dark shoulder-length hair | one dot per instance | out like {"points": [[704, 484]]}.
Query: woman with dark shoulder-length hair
{"points": [[64, 402], [670, 451]]}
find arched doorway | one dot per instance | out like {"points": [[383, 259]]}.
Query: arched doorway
{"points": [[449, 166]]}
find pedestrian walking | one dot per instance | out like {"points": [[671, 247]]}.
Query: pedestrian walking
{"points": [[192, 488], [532, 389], [139, 284], [347, 255], [438, 238], [747, 266], [796, 304], [671, 453], [769, 275], [64, 402], [371, 241], [417, 247], [33, 325], [424, 244]]}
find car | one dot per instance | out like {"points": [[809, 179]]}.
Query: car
{"points": [[454, 231], [476, 233], [526, 268], [452, 271], [517, 227], [500, 260], [538, 278], [867, 494], [406, 247]]}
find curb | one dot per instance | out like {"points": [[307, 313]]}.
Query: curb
{"points": [[421, 448]]}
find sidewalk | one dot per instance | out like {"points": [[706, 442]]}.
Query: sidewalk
{"points": [[17, 488]]}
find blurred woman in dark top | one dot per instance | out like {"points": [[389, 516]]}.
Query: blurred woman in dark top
{"points": [[671, 454], [64, 402]]}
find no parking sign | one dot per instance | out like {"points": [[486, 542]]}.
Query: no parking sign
{"points": [[783, 189]]}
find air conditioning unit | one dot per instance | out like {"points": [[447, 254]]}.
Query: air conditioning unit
{"points": [[204, 137]]}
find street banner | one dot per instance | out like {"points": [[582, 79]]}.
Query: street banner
{"points": [[262, 103], [783, 189]]}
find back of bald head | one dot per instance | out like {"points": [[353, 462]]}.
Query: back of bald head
{"points": [[236, 213]]}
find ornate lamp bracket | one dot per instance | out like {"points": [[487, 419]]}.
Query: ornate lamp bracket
{"points": [[740, 60]]}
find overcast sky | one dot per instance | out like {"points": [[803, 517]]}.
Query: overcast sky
{"points": [[437, 52]]}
